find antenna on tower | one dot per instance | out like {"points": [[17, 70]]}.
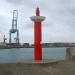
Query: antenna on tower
{"points": [[37, 3]]}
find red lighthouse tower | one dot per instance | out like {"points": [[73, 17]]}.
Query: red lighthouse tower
{"points": [[37, 35]]}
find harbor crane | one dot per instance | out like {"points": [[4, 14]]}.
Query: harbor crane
{"points": [[4, 40], [14, 29]]}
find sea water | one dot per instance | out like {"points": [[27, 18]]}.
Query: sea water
{"points": [[20, 54]]}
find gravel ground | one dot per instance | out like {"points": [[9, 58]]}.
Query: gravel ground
{"points": [[58, 68]]}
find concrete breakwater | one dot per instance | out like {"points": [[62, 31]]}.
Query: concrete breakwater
{"points": [[70, 53], [59, 68]]}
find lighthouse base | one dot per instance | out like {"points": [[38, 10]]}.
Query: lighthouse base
{"points": [[44, 61], [37, 52]]}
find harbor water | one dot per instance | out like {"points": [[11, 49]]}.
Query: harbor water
{"points": [[16, 55]]}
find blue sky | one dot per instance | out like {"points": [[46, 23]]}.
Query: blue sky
{"points": [[59, 25]]}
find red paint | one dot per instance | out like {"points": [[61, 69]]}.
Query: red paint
{"points": [[37, 41], [37, 38]]}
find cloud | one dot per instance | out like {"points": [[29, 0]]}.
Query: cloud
{"points": [[29, 3], [58, 26]]}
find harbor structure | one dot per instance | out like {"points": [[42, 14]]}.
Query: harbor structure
{"points": [[14, 29], [37, 19]]}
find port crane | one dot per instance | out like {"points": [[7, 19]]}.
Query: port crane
{"points": [[4, 39], [14, 29]]}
